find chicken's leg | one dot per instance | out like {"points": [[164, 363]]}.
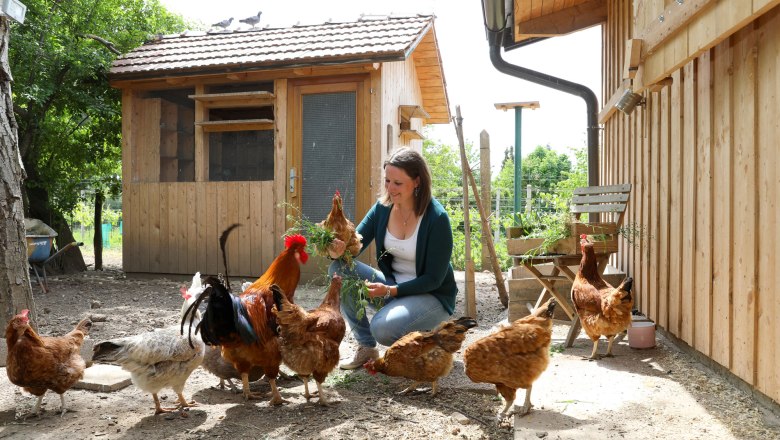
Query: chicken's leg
{"points": [[410, 388], [158, 409], [509, 398], [527, 404], [321, 391], [595, 354], [248, 394], [62, 405], [434, 387], [183, 402], [276, 398], [611, 340], [37, 409], [305, 380]]}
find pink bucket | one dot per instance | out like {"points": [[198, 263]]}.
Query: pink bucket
{"points": [[641, 334]]}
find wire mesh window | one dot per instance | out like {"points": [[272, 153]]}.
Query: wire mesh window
{"points": [[241, 155], [328, 150]]}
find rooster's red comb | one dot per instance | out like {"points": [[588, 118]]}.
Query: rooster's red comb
{"points": [[338, 193], [583, 237], [294, 239]]}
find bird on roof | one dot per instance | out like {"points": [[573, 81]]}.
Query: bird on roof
{"points": [[224, 24], [253, 20]]}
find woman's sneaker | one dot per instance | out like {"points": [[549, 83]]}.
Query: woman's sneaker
{"points": [[362, 356]]}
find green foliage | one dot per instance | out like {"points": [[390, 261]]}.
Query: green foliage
{"points": [[68, 115], [544, 168]]}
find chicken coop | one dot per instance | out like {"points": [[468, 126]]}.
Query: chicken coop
{"points": [[689, 112], [250, 125]]}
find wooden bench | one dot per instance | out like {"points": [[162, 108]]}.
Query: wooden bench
{"points": [[606, 206]]}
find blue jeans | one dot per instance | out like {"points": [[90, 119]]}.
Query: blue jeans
{"points": [[396, 318]]}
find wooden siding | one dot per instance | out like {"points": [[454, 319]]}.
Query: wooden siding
{"points": [[161, 236], [400, 86], [702, 156]]}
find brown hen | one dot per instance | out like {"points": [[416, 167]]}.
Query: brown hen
{"points": [[423, 356], [310, 340], [40, 363], [342, 228], [513, 357], [603, 309]]}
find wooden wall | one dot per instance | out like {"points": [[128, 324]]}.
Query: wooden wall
{"points": [[702, 156], [400, 86], [174, 227]]}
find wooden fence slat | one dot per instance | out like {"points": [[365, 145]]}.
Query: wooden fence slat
{"points": [[244, 264], [192, 229], [143, 228], [721, 220], [702, 286], [688, 309], [257, 266], [675, 204], [767, 380], [744, 255], [663, 236]]}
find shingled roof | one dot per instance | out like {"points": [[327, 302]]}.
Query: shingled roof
{"points": [[364, 41], [389, 39]]}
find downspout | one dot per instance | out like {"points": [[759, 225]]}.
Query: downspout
{"points": [[495, 40]]}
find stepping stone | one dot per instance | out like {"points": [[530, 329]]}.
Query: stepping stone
{"points": [[104, 378]]}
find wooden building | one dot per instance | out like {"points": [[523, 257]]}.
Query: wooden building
{"points": [[701, 152], [244, 126]]}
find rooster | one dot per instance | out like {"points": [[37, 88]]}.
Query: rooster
{"points": [[40, 363], [513, 357], [160, 358], [342, 228], [244, 325], [603, 309], [310, 340], [423, 356]]}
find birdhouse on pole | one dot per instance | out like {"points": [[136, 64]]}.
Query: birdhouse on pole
{"points": [[14, 9]]}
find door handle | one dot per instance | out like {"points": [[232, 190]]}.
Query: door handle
{"points": [[292, 180]]}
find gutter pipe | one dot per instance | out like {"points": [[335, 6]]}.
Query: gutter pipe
{"points": [[495, 40]]}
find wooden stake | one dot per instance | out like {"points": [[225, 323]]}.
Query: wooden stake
{"points": [[502, 292]]}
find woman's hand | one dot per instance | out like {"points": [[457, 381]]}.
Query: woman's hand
{"points": [[377, 290], [336, 248]]}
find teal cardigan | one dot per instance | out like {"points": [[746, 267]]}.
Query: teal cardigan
{"points": [[434, 250]]}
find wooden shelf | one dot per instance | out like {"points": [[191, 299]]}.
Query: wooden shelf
{"points": [[412, 134], [238, 125], [236, 100], [407, 112]]}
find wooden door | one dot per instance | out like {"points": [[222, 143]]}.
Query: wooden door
{"points": [[328, 148]]}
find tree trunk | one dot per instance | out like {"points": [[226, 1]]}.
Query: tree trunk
{"points": [[15, 289], [38, 198], [98, 240]]}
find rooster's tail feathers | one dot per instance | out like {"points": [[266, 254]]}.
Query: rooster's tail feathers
{"points": [[467, 322], [243, 323]]}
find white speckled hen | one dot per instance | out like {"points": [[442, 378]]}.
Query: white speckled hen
{"points": [[161, 358]]}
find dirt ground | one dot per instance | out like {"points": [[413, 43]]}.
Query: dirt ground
{"points": [[658, 393]]}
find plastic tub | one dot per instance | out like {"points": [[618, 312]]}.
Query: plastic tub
{"points": [[641, 335]]}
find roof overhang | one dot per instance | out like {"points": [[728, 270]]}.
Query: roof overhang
{"points": [[550, 18]]}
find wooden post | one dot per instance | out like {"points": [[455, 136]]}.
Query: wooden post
{"points": [[502, 293], [484, 173], [470, 287]]}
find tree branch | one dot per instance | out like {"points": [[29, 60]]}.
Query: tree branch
{"points": [[109, 45]]}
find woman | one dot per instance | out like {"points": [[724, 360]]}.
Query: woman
{"points": [[413, 248]]}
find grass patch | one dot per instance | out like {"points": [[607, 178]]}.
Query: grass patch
{"points": [[345, 379]]}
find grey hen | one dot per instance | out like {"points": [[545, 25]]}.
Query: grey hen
{"points": [[214, 363]]}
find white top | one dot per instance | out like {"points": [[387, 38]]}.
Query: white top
{"points": [[403, 252]]}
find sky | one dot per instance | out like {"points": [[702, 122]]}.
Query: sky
{"points": [[472, 81]]}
